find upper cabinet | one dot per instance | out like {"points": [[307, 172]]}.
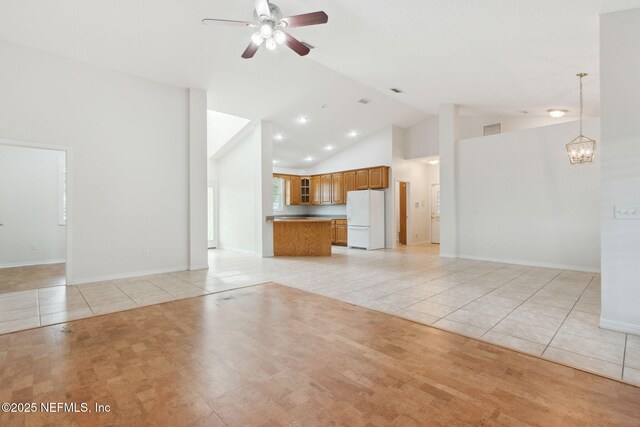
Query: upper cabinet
{"points": [[337, 188], [294, 192], [379, 177], [362, 179], [316, 190], [349, 183], [305, 190], [325, 183], [332, 188]]}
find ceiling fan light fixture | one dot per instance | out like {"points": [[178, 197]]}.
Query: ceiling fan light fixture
{"points": [[270, 44], [279, 36], [257, 39], [266, 30]]}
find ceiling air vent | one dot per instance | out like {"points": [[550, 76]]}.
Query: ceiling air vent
{"points": [[396, 90], [364, 101], [493, 129]]}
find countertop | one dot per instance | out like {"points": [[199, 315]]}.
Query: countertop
{"points": [[302, 220]]}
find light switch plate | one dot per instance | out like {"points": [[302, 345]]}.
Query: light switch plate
{"points": [[626, 212]]}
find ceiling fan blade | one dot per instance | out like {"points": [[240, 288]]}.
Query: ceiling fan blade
{"points": [[296, 45], [250, 51], [208, 21], [262, 8], [306, 19]]}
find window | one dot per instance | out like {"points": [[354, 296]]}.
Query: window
{"points": [[278, 194]]}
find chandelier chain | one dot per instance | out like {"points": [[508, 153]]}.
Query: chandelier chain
{"points": [[581, 76]]}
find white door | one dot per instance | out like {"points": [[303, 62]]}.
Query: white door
{"points": [[435, 213], [358, 208]]}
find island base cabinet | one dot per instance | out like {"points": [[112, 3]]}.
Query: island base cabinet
{"points": [[302, 238]]}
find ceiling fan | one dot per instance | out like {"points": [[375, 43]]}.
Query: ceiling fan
{"points": [[271, 26]]}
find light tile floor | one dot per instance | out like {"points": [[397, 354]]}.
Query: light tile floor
{"points": [[545, 312]]}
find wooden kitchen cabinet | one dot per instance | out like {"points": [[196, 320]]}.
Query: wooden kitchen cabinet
{"points": [[325, 184], [316, 190], [333, 231], [341, 232], [294, 193], [337, 189], [379, 177], [332, 188], [349, 183], [305, 190], [362, 179]]}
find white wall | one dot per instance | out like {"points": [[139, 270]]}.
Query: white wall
{"points": [[221, 128], [421, 140], [374, 150], [520, 200], [129, 168], [620, 148], [198, 170], [244, 179], [29, 202], [472, 126]]}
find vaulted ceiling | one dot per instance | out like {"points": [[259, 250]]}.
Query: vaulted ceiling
{"points": [[499, 56]]}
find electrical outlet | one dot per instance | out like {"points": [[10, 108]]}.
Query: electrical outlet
{"points": [[625, 212], [145, 253], [34, 247]]}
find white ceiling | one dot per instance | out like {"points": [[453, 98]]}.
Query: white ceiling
{"points": [[499, 56]]}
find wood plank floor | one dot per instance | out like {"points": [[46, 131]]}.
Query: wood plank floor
{"points": [[30, 277], [274, 355]]}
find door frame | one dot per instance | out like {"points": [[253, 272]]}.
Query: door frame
{"points": [[431, 215], [69, 164], [396, 224]]}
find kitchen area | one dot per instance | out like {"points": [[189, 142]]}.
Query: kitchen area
{"points": [[312, 213]]}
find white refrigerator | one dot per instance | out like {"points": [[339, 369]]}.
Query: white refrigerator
{"points": [[365, 219]]}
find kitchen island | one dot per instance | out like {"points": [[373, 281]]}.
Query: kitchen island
{"points": [[305, 236]]}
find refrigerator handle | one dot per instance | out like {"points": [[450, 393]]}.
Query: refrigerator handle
{"points": [[348, 210]]}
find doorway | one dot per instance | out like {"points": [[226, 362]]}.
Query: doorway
{"points": [[33, 217], [402, 229], [435, 214]]}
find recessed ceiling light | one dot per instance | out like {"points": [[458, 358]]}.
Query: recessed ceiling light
{"points": [[556, 114], [434, 162], [353, 133], [329, 147], [275, 161], [364, 101], [303, 119], [396, 90], [278, 137], [308, 159]]}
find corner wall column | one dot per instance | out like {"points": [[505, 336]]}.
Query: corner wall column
{"points": [[448, 134], [198, 255]]}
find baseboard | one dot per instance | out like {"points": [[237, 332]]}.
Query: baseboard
{"points": [[127, 275], [242, 251], [445, 255], [531, 263], [614, 325], [32, 263], [199, 267]]}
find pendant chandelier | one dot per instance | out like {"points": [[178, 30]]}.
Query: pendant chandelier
{"points": [[582, 149]]}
